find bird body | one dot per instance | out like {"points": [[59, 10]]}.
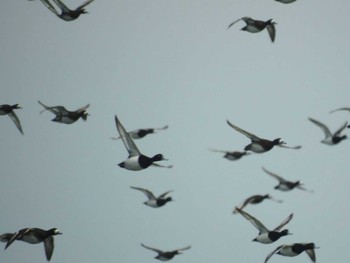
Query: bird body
{"points": [[154, 201], [165, 256], [331, 139]]}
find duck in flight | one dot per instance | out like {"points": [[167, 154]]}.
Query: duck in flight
{"points": [[255, 26], [285, 185], [65, 116], [255, 199], [331, 139], [66, 13], [165, 256], [136, 160], [154, 201], [140, 133], [293, 250], [35, 236], [6, 109], [259, 145], [266, 236], [232, 156]]}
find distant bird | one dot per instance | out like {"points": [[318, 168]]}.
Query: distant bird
{"points": [[285, 1], [65, 116], [140, 133], [285, 185], [6, 237], [66, 13], [6, 109], [331, 139], [295, 249], [165, 256], [340, 109], [255, 26], [152, 200], [266, 236], [260, 145], [255, 199], [35, 236], [136, 160], [232, 156]]}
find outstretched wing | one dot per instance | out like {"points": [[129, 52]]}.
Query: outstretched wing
{"points": [[248, 134], [324, 128], [279, 178], [272, 32], [62, 6], [253, 220], [286, 221], [185, 248], [50, 7], [311, 254], [57, 110], [338, 132], [128, 142], [234, 22], [153, 249], [163, 195], [273, 252], [49, 246], [84, 4], [148, 193], [340, 109], [15, 119], [83, 108]]}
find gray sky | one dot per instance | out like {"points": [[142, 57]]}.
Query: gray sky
{"points": [[159, 62]]}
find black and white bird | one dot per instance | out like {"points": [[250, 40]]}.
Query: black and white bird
{"points": [[285, 185], [136, 160], [259, 145], [293, 250], [66, 14], [140, 133], [7, 109], [255, 26], [165, 256], [65, 116], [153, 201], [35, 236], [331, 139], [266, 236], [231, 155], [255, 199]]}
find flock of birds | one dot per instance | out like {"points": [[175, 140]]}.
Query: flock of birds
{"points": [[137, 161]]}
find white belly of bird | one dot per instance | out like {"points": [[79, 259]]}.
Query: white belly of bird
{"points": [[264, 238], [288, 252], [133, 164]]}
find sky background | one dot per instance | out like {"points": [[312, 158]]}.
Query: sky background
{"points": [[156, 63]]}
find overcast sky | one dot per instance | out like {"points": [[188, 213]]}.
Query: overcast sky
{"points": [[156, 63]]}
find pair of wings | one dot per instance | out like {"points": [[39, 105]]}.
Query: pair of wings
{"points": [[251, 199], [326, 130], [255, 138], [310, 252], [149, 194], [48, 242], [162, 252], [60, 110], [259, 225], [62, 6]]}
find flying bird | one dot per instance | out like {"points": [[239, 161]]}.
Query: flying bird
{"points": [[35, 236], [66, 13], [6, 109], [255, 199], [65, 116], [140, 133], [285, 185], [255, 26], [259, 145], [295, 249], [331, 139], [232, 156], [165, 256], [266, 236], [136, 160], [152, 200]]}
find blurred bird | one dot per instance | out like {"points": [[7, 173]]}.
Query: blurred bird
{"points": [[232, 156], [136, 160], [260, 145], [293, 250], [66, 13], [340, 109], [152, 200], [35, 236], [285, 1], [285, 185], [6, 237], [331, 139], [165, 256], [6, 109], [140, 133], [255, 199], [65, 116], [266, 236], [255, 26]]}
